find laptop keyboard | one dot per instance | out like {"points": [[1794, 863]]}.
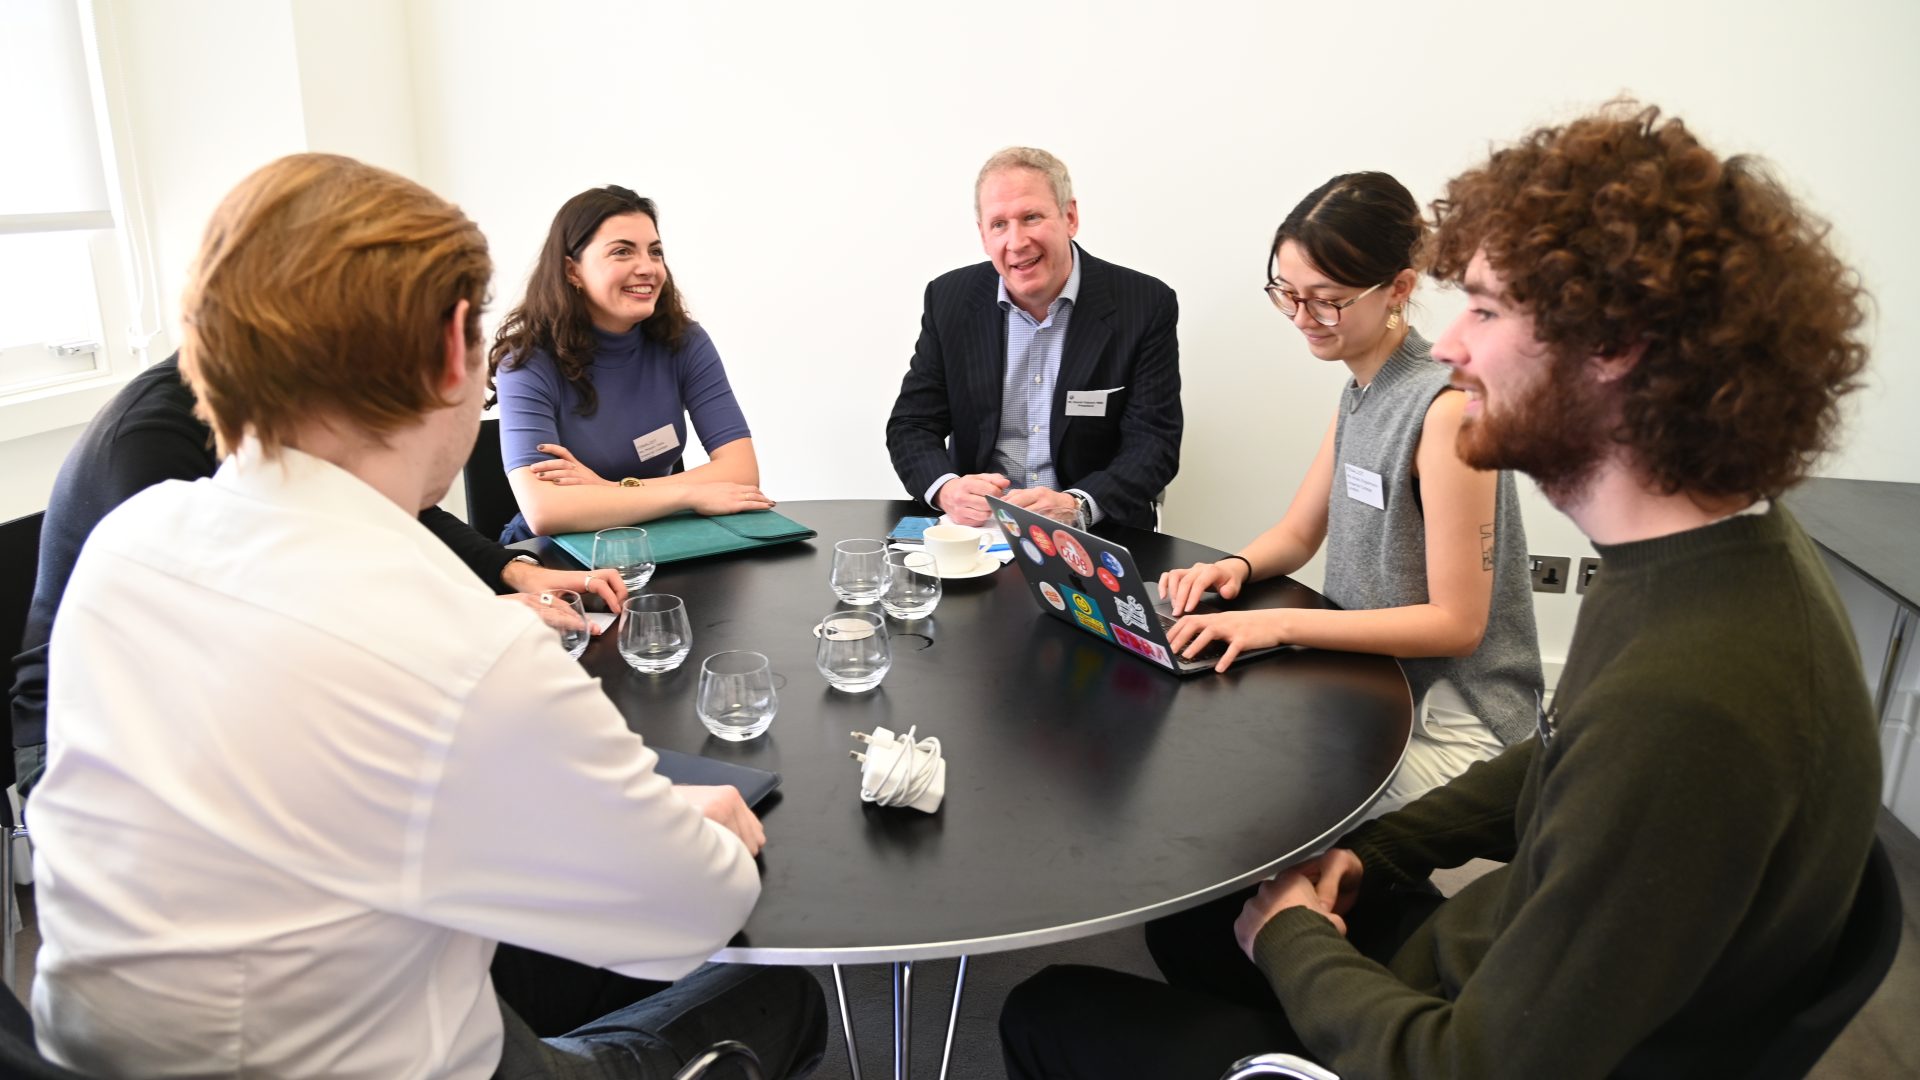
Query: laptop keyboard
{"points": [[1212, 652]]}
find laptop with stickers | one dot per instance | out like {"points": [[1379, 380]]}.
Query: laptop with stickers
{"points": [[1094, 584]]}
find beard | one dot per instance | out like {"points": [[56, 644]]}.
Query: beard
{"points": [[1557, 432]]}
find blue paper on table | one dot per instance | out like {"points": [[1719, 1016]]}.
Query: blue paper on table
{"points": [[754, 784], [687, 535]]}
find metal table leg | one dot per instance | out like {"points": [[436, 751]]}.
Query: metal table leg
{"points": [[902, 1020], [1896, 656], [846, 1024], [953, 1018]]}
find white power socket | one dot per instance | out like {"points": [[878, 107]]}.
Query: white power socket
{"points": [[898, 771]]}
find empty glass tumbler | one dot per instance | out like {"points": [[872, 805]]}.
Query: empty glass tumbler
{"points": [[626, 550], [913, 585], [572, 638], [859, 571], [853, 651], [655, 635], [736, 700]]}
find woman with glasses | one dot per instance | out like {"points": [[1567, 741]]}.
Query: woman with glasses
{"points": [[598, 370], [1426, 557]]}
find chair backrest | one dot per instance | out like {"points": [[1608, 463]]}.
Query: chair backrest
{"points": [[726, 1049], [490, 503], [1860, 961], [1286, 1066], [19, 1058]]}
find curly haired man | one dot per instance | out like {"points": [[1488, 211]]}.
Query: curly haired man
{"points": [[1660, 337]]}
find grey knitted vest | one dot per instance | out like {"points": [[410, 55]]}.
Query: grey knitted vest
{"points": [[1378, 558]]}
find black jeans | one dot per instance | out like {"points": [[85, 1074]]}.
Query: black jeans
{"points": [[1071, 1022]]}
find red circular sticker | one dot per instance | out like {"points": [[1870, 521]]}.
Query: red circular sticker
{"points": [[1040, 539], [1073, 553], [1106, 578]]}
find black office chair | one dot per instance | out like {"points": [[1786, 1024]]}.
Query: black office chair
{"points": [[19, 564], [19, 1058], [718, 1052], [490, 502], [1860, 961]]}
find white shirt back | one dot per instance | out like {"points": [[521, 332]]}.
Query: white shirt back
{"points": [[304, 770]]}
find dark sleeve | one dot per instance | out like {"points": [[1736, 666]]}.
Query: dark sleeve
{"points": [[1640, 877], [707, 395], [923, 414], [1151, 424], [169, 444], [1469, 817], [484, 557]]}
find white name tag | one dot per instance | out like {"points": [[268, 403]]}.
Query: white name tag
{"points": [[657, 442], [1089, 402], [1364, 486]]}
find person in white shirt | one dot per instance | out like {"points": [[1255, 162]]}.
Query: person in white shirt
{"points": [[288, 810]]}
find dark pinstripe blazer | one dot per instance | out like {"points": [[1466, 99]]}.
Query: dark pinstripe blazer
{"points": [[1122, 335]]}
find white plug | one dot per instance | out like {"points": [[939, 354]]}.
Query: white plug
{"points": [[897, 771]]}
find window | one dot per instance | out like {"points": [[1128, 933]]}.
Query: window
{"points": [[70, 306]]}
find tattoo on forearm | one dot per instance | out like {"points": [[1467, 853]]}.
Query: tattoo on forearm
{"points": [[1486, 547]]}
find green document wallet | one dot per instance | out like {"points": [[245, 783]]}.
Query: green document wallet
{"points": [[687, 535]]}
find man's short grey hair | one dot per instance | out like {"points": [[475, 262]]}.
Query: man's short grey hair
{"points": [[1026, 157]]}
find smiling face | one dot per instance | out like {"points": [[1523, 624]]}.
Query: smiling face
{"points": [[620, 272], [1526, 408], [1362, 329], [1028, 236]]}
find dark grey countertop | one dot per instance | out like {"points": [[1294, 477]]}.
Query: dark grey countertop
{"points": [[1871, 525]]}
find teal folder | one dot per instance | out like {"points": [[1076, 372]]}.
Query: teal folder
{"points": [[687, 535]]}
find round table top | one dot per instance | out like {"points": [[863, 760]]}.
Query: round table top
{"points": [[1087, 789]]}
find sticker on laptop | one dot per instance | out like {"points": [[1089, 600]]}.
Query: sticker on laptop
{"points": [[1087, 613], [1073, 553], [1135, 643], [1052, 596], [1106, 578], [1006, 522], [1033, 553], [1040, 538], [1131, 611], [1107, 560]]}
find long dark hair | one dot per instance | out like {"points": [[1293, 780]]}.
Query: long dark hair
{"points": [[1359, 229], [553, 316]]}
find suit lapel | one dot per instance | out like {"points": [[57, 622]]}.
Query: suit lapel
{"points": [[1087, 334], [987, 356]]}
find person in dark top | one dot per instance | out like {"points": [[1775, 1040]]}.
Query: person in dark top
{"points": [[1660, 338], [146, 434]]}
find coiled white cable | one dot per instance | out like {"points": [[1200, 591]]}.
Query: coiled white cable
{"points": [[898, 771]]}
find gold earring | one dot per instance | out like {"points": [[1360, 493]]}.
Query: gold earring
{"points": [[1393, 319]]}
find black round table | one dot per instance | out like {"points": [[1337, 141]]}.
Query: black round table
{"points": [[1087, 790]]}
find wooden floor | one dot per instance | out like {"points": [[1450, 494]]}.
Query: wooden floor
{"points": [[1883, 1042]]}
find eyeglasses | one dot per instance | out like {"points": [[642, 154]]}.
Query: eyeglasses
{"points": [[1324, 312]]}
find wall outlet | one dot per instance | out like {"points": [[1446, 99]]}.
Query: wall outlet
{"points": [[1584, 578], [1550, 572]]}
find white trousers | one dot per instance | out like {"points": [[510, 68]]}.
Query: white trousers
{"points": [[1446, 739]]}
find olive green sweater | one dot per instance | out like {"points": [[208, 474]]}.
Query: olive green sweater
{"points": [[1681, 853]]}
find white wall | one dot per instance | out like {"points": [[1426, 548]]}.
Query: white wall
{"points": [[814, 166]]}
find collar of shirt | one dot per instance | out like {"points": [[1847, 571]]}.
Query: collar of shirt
{"points": [[1069, 294], [296, 477]]}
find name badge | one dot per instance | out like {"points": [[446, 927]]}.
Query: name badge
{"points": [[1089, 402], [1363, 485], [657, 442]]}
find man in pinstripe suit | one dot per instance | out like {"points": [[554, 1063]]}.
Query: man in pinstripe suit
{"points": [[1045, 376]]}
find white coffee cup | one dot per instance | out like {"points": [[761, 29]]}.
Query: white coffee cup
{"points": [[955, 548]]}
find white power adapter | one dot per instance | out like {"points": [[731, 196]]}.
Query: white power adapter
{"points": [[897, 771]]}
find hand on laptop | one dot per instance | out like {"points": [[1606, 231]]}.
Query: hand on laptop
{"points": [[1240, 630], [1182, 589], [1046, 502], [722, 803], [964, 498]]}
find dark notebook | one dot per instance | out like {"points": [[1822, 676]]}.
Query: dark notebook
{"points": [[754, 784]]}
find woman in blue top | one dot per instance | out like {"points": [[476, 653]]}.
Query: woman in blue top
{"points": [[598, 369]]}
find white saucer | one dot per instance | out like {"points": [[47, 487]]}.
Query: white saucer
{"points": [[987, 565]]}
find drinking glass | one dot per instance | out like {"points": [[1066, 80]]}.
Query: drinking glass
{"points": [[654, 633], [853, 652], [913, 585], [736, 701], [859, 571], [571, 639], [627, 550]]}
